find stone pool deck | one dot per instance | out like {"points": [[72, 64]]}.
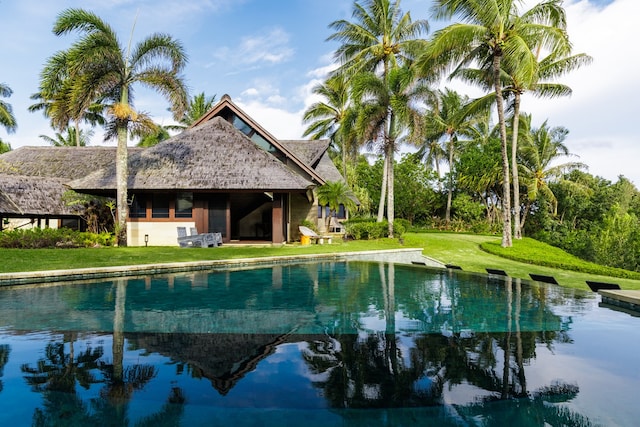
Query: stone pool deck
{"points": [[400, 256], [626, 299]]}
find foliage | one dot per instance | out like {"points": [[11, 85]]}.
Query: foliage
{"points": [[5, 147], [529, 249], [466, 209], [368, 229], [52, 238], [309, 224], [7, 119]]}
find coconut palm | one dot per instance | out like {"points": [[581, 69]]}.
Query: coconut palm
{"points": [[199, 105], [75, 138], [541, 85], [494, 32], [54, 100], [386, 108], [379, 38], [7, 119], [539, 153], [99, 69], [333, 117], [448, 119]]}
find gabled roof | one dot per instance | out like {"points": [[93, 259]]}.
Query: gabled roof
{"points": [[212, 156], [226, 108]]}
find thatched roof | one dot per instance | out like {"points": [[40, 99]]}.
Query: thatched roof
{"points": [[58, 162], [315, 153], [31, 195], [212, 156]]}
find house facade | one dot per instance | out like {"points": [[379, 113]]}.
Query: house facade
{"points": [[224, 174]]}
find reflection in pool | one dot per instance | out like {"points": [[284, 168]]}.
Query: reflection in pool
{"points": [[315, 344]]}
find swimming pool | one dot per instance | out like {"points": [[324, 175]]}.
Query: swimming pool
{"points": [[317, 344]]}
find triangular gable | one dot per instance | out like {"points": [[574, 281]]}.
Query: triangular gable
{"points": [[260, 136]]}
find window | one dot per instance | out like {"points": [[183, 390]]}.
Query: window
{"points": [[138, 208], [184, 205], [319, 211], [160, 206], [342, 213]]}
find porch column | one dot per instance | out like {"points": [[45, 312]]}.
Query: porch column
{"points": [[277, 218]]}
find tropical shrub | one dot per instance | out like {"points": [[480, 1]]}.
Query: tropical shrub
{"points": [[36, 238]]}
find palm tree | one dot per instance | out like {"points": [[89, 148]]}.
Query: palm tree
{"points": [[379, 39], [198, 106], [76, 138], [334, 194], [54, 98], [333, 117], [448, 118], [495, 33], [99, 69], [388, 107], [7, 119], [539, 153]]}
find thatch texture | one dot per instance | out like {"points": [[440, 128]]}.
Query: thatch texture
{"points": [[58, 162], [212, 156], [31, 195], [315, 153]]}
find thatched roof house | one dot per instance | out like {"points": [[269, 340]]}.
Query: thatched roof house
{"points": [[225, 174]]}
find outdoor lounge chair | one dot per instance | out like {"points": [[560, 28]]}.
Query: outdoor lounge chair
{"points": [[453, 267], [310, 234], [203, 240]]}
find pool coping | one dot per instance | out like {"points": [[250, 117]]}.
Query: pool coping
{"points": [[627, 299], [403, 256]]}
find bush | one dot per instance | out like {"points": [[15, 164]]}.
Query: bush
{"points": [[368, 229], [36, 238]]}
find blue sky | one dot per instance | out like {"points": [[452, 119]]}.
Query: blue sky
{"points": [[269, 54]]}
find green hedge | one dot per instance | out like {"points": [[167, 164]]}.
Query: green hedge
{"points": [[368, 229], [36, 238], [532, 251]]}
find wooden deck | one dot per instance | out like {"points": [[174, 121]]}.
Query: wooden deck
{"points": [[629, 300]]}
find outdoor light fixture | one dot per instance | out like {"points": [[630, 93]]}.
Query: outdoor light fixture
{"points": [[146, 239]]}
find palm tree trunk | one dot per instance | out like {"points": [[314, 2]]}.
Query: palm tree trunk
{"points": [[447, 215], [390, 190], [517, 227], [506, 197], [122, 177], [383, 189]]}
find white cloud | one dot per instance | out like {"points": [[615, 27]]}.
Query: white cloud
{"points": [[269, 48]]}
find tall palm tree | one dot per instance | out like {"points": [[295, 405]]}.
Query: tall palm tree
{"points": [[494, 32], [379, 38], [7, 119], [100, 69], [333, 117], [539, 153], [448, 119], [388, 107], [540, 85]]}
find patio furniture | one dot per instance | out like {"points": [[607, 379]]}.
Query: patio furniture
{"points": [[203, 240], [335, 226], [308, 234], [453, 267]]}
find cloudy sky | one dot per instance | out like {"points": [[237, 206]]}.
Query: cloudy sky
{"points": [[268, 55]]}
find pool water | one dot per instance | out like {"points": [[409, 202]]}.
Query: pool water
{"points": [[318, 344]]}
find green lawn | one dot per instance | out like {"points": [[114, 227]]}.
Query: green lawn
{"points": [[460, 249]]}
